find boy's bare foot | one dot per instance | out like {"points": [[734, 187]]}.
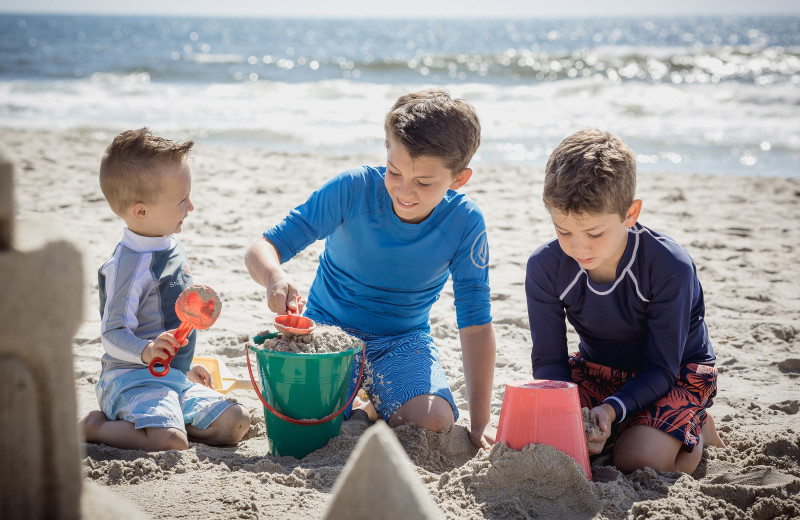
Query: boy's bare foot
{"points": [[365, 405], [710, 434], [91, 424]]}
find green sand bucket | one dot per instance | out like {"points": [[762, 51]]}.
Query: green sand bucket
{"points": [[303, 395]]}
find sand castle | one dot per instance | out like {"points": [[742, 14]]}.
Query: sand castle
{"points": [[379, 477], [38, 318], [40, 312]]}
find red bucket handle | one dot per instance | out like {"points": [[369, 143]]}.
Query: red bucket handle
{"points": [[308, 422]]}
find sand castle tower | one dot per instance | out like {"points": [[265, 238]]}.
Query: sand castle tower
{"points": [[379, 481], [40, 311]]}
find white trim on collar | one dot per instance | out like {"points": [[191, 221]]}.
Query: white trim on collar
{"points": [[142, 244]]}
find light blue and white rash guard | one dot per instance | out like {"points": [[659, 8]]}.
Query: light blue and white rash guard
{"points": [[139, 286], [378, 274]]}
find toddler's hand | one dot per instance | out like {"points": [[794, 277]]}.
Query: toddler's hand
{"points": [[200, 374], [164, 346]]}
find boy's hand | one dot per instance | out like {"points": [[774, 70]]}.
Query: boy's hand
{"points": [[282, 296], [605, 415], [164, 346], [483, 438], [200, 374], [264, 265]]}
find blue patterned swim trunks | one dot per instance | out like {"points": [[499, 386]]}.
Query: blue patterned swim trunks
{"points": [[171, 401], [399, 368]]}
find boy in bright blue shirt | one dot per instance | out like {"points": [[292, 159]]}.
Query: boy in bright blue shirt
{"points": [[644, 362], [393, 236]]}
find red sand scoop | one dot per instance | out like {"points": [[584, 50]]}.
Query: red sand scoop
{"points": [[293, 323], [198, 307]]}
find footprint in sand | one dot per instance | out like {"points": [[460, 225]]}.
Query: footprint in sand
{"points": [[738, 231], [790, 365], [790, 407]]}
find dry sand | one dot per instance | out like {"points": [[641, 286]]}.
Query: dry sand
{"points": [[322, 339], [744, 234]]}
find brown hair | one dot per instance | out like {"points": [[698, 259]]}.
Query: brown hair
{"points": [[590, 172], [429, 123], [129, 170]]}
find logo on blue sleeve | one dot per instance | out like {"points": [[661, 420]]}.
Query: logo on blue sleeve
{"points": [[480, 251]]}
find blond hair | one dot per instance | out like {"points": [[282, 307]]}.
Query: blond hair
{"points": [[429, 123], [130, 168], [591, 172]]}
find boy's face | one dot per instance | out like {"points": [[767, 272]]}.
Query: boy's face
{"points": [[416, 186], [164, 216], [595, 241]]}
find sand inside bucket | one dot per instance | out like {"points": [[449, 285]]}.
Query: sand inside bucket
{"points": [[323, 339]]}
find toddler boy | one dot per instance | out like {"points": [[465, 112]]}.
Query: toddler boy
{"points": [[147, 182]]}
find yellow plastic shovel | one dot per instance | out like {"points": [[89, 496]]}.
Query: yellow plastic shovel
{"points": [[221, 376]]}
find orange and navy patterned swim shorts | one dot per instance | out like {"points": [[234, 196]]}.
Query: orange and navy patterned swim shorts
{"points": [[680, 413]]}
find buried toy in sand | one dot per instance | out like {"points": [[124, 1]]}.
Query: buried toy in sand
{"points": [[304, 386]]}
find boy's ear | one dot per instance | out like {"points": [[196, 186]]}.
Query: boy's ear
{"points": [[461, 179], [138, 211], [633, 213]]}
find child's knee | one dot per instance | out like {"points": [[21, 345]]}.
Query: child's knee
{"points": [[234, 423], [241, 422], [440, 420], [92, 424], [426, 411], [646, 447], [164, 439]]}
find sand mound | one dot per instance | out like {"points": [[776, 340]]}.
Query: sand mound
{"points": [[324, 339]]}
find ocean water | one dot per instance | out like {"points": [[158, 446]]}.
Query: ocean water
{"points": [[705, 95]]}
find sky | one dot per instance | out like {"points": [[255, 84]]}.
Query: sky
{"points": [[408, 8]]}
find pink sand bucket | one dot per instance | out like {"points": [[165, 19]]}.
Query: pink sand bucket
{"points": [[541, 411]]}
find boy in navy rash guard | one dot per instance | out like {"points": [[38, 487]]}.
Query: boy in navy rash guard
{"points": [[393, 235], [644, 362]]}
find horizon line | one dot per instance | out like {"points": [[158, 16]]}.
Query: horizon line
{"points": [[509, 16]]}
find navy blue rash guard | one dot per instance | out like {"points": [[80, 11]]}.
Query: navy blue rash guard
{"points": [[649, 320]]}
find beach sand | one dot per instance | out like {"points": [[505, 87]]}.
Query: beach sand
{"points": [[744, 234]]}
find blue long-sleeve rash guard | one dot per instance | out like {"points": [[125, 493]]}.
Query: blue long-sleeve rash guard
{"points": [[139, 286], [378, 274], [649, 320]]}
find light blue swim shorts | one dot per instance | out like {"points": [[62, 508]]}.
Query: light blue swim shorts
{"points": [[172, 401], [399, 368]]}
